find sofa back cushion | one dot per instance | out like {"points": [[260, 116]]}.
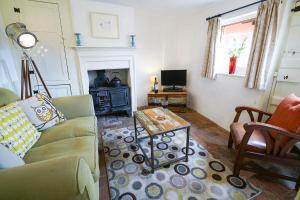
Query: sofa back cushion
{"points": [[16, 131], [7, 97], [287, 115]]}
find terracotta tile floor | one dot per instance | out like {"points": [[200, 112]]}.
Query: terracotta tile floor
{"points": [[214, 138]]}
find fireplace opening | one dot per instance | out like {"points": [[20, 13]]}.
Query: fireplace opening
{"points": [[110, 90]]}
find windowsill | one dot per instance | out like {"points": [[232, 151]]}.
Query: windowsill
{"points": [[231, 75]]}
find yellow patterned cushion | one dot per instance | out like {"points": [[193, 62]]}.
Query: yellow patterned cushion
{"points": [[16, 131]]}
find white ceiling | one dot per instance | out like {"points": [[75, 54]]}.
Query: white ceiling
{"points": [[162, 4]]}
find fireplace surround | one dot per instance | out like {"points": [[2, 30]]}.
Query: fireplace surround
{"points": [[107, 58]]}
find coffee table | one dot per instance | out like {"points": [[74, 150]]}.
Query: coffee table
{"points": [[158, 121]]}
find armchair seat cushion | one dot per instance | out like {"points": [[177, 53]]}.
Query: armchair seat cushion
{"points": [[81, 126], [85, 147], [256, 142]]}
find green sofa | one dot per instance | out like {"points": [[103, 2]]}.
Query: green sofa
{"points": [[64, 163]]}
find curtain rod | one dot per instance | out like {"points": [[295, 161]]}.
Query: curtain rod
{"points": [[224, 13]]}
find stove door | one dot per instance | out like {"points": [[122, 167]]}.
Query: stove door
{"points": [[119, 97]]}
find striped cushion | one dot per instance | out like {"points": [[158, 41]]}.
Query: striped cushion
{"points": [[16, 131]]}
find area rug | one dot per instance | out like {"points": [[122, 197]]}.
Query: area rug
{"points": [[202, 177], [109, 121]]}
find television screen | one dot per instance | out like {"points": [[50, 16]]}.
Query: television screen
{"points": [[173, 77]]}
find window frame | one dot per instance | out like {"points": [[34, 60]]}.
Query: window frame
{"points": [[230, 21]]}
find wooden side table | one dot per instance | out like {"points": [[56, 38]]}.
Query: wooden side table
{"points": [[177, 101]]}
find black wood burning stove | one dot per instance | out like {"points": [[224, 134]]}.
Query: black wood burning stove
{"points": [[109, 100]]}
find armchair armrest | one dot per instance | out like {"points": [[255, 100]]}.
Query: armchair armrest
{"points": [[271, 129], [59, 179], [75, 106], [284, 141], [250, 111]]}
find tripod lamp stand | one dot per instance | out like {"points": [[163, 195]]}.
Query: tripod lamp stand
{"points": [[26, 40]]}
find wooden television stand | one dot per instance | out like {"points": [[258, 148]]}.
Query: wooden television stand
{"points": [[177, 101]]}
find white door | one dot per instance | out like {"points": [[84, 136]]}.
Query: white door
{"points": [[288, 75], [44, 20]]}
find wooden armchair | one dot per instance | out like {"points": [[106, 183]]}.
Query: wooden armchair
{"points": [[254, 140]]}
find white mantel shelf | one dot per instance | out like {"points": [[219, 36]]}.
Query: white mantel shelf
{"points": [[103, 48]]}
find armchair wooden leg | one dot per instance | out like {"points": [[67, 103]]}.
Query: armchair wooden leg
{"points": [[238, 164], [297, 187], [230, 141]]}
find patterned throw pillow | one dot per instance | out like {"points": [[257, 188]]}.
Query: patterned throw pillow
{"points": [[16, 131], [41, 112]]}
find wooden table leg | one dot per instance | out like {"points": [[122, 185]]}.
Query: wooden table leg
{"points": [[187, 144], [152, 155], [135, 129]]}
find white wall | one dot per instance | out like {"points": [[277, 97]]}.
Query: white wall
{"points": [[81, 10], [178, 41], [150, 57], [185, 45], [147, 26]]}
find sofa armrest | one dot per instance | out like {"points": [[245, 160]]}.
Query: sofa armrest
{"points": [[60, 179], [298, 195], [75, 106]]}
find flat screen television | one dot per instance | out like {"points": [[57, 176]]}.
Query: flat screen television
{"points": [[173, 78]]}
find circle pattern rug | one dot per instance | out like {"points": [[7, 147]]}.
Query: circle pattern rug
{"points": [[201, 178]]}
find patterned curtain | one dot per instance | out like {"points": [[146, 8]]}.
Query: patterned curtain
{"points": [[208, 69], [262, 45]]}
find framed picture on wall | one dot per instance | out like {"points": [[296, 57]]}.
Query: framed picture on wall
{"points": [[104, 25]]}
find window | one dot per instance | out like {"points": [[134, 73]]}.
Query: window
{"points": [[235, 41]]}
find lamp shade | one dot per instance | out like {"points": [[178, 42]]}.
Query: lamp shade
{"points": [[18, 33], [152, 79]]}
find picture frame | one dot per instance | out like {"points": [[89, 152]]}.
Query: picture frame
{"points": [[104, 25]]}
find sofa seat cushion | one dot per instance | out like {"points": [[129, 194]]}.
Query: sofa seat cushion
{"points": [[85, 147], [82, 126], [256, 141]]}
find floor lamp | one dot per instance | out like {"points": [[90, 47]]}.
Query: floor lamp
{"points": [[26, 40]]}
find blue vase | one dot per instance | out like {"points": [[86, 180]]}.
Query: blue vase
{"points": [[132, 41], [78, 41]]}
